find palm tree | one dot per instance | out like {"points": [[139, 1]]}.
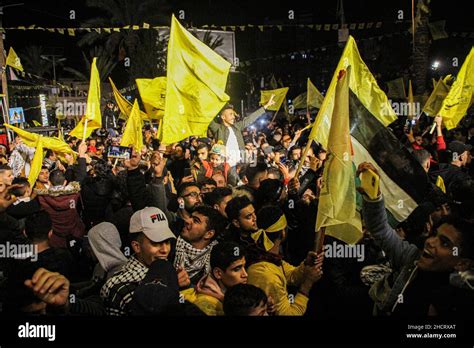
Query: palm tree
{"points": [[33, 63], [105, 64], [120, 13], [421, 47]]}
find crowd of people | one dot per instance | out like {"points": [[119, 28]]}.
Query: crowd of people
{"points": [[225, 225]]}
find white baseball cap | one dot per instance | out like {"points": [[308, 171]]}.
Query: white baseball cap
{"points": [[153, 223]]}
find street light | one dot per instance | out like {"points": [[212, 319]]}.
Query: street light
{"points": [[54, 61]]}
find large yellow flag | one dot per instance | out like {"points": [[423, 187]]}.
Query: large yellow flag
{"points": [[363, 84], [195, 88], [435, 100], [123, 104], [312, 98], [133, 135], [13, 60], [280, 95], [39, 142], [337, 200], [93, 115], [396, 89], [153, 93], [460, 95]]}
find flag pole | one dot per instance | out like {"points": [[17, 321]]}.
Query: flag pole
{"points": [[319, 240], [85, 130]]}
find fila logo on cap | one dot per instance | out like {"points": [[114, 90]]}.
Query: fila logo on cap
{"points": [[157, 217]]}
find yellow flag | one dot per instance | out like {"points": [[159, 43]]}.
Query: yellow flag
{"points": [[280, 95], [39, 142], [362, 83], [396, 89], [123, 104], [314, 97], [36, 123], [440, 183], [435, 100], [195, 88], [311, 97], [337, 200], [93, 115], [153, 93], [133, 135], [13, 60], [460, 95]]}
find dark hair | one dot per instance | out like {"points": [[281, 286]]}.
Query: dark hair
{"points": [[269, 192], [235, 205], [462, 196], [437, 197], [226, 106], [266, 217], [252, 171], [202, 146], [37, 226], [465, 228], [21, 190], [102, 169], [240, 299], [225, 253], [217, 195], [49, 153], [4, 167], [208, 181], [56, 177], [45, 167], [215, 221], [185, 185], [421, 155]]}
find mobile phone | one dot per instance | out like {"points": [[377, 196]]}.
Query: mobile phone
{"points": [[187, 172], [282, 159], [119, 152], [370, 183]]}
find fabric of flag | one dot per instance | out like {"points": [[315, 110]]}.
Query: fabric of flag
{"points": [[153, 93], [123, 104], [13, 60], [312, 98], [402, 179], [440, 183], [363, 84], [460, 95], [93, 114], [279, 97], [133, 135], [40, 142], [36, 123], [396, 89], [195, 88], [435, 100], [337, 199]]}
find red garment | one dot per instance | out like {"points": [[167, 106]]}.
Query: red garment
{"points": [[92, 149], [210, 170], [60, 203], [440, 146]]}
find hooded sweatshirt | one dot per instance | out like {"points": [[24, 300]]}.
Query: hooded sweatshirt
{"points": [[105, 241], [60, 202], [209, 296]]}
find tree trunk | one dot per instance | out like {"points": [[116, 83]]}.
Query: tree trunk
{"points": [[421, 50]]}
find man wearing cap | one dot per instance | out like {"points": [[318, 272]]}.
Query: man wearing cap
{"points": [[460, 158], [230, 132], [150, 240]]}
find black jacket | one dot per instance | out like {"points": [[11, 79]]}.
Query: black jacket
{"points": [[221, 132]]}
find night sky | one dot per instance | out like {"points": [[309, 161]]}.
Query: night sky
{"points": [[253, 44]]}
